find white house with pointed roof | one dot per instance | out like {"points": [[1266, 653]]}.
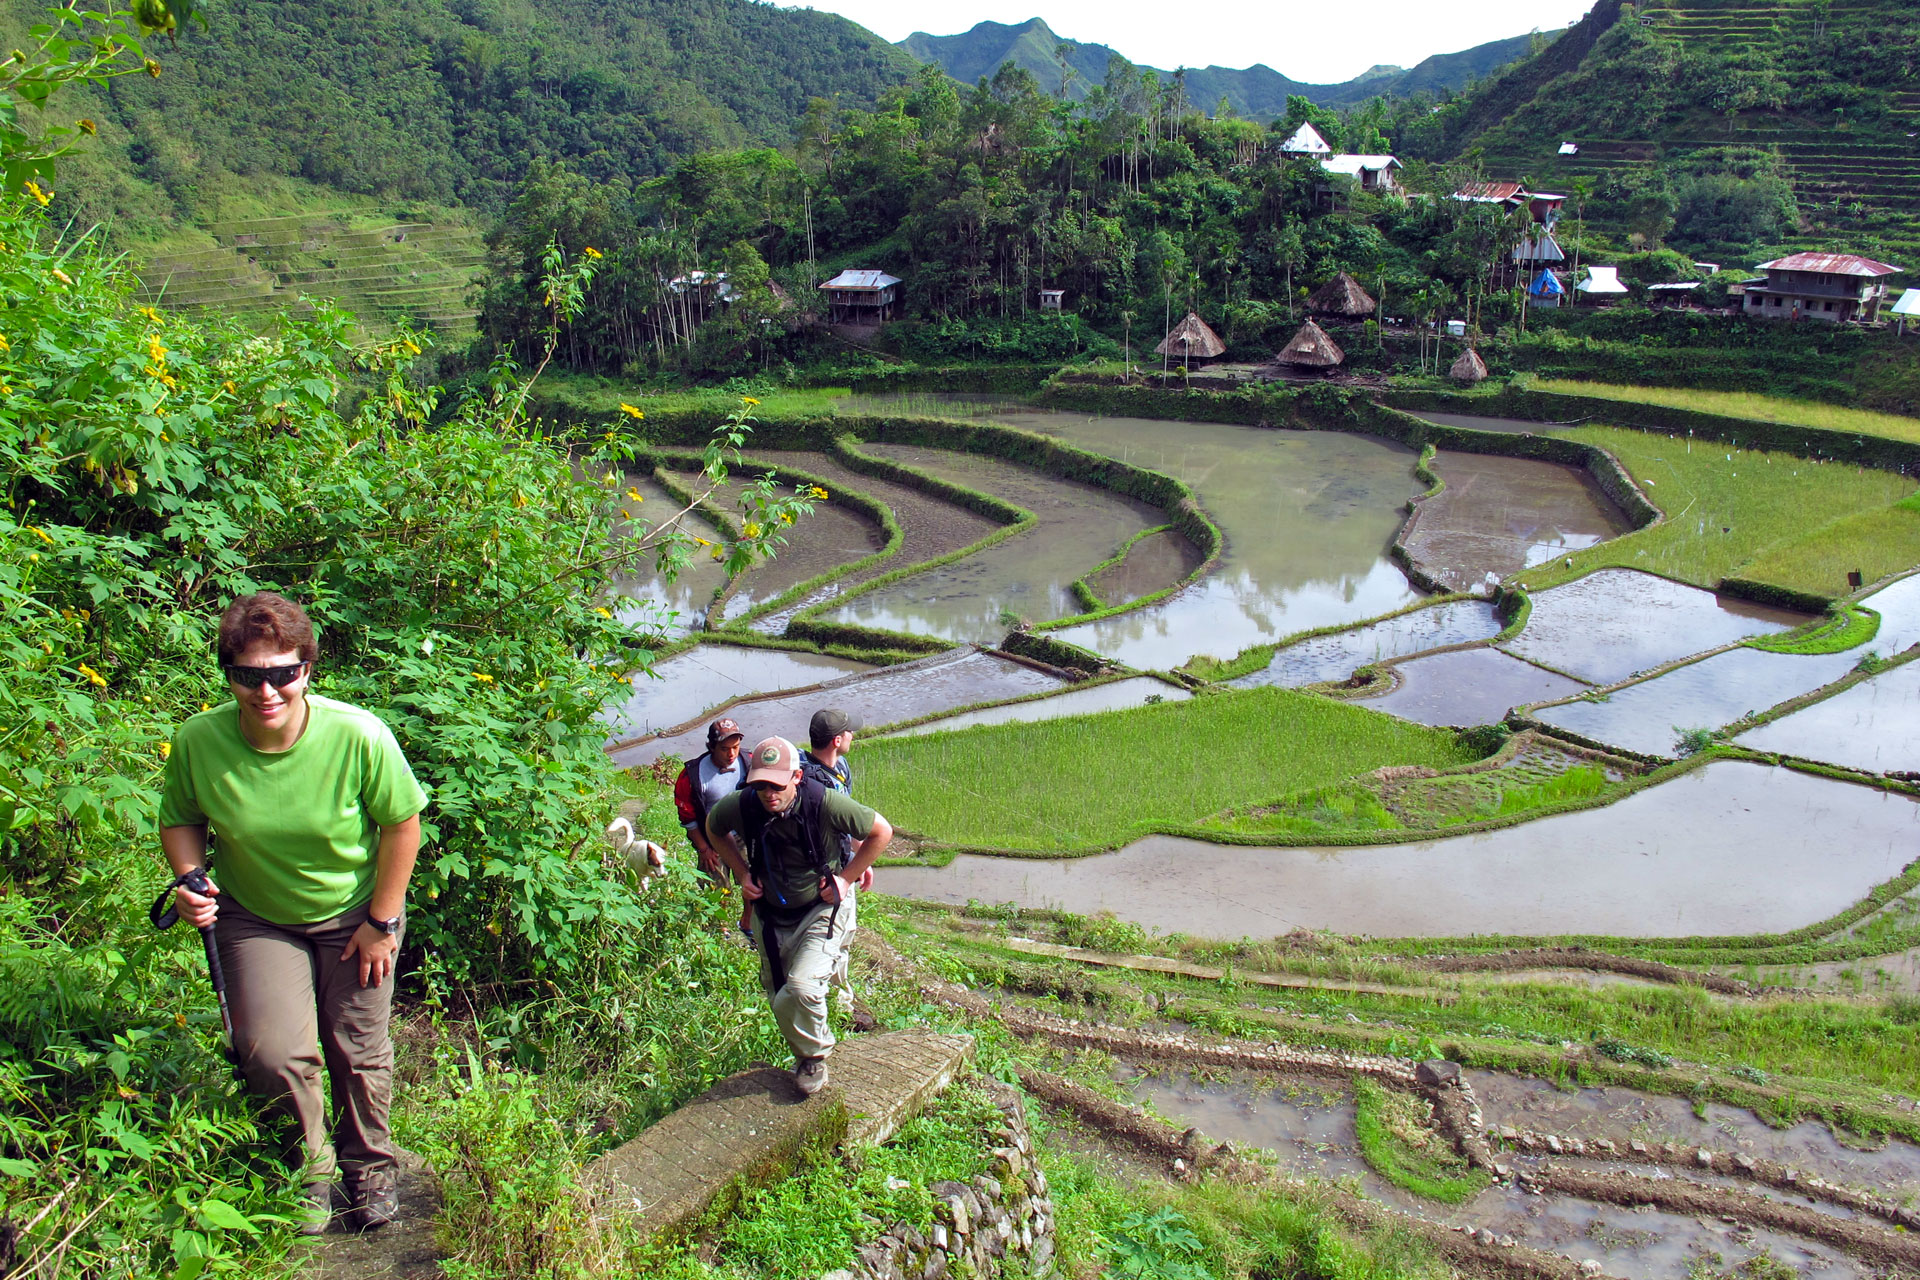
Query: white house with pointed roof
{"points": [[1306, 141]]}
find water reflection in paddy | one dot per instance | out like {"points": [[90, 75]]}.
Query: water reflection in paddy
{"points": [[1875, 725], [1731, 848], [707, 675], [1608, 625], [1334, 657], [1499, 515], [1077, 526], [1474, 422], [1468, 687], [648, 599]]}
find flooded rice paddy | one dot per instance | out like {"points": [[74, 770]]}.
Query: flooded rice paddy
{"points": [[888, 695], [1155, 563], [1875, 725], [1468, 687], [1115, 695], [1609, 625], [649, 600], [1336, 656], [1497, 516], [688, 684], [1474, 422], [1729, 848], [1076, 527]]}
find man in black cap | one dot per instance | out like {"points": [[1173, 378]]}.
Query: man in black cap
{"points": [[830, 734], [704, 779]]}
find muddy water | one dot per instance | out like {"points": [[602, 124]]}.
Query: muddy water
{"points": [[1468, 687], [1608, 625], [880, 697], [1650, 716], [1623, 1115], [1154, 563], [1334, 657], [832, 536], [1308, 517], [1309, 1128], [649, 600], [1875, 725], [687, 684], [1731, 848], [1498, 515], [1505, 426], [929, 527], [1028, 576], [1112, 696]]}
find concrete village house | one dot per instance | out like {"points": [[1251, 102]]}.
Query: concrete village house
{"points": [[1834, 287]]}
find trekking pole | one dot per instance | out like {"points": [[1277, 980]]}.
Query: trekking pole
{"points": [[163, 913]]}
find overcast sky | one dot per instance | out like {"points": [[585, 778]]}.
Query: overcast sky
{"points": [[1315, 42]]}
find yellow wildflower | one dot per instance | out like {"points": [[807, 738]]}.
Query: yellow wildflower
{"points": [[4, 344], [635, 495], [748, 400], [602, 611], [94, 678], [155, 351], [786, 517], [166, 750], [591, 252], [62, 276], [483, 677], [33, 189], [41, 534], [752, 530], [817, 493], [703, 542], [413, 348], [631, 412], [153, 68], [87, 127], [228, 387], [719, 554]]}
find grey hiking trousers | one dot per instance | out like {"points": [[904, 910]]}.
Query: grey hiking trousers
{"points": [[812, 961], [295, 1007]]}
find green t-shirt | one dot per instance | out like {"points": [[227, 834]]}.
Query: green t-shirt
{"points": [[297, 831], [798, 885]]}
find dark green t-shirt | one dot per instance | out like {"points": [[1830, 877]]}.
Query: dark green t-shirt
{"points": [[793, 864], [297, 831]]}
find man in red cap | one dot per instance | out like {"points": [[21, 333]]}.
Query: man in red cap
{"points": [[705, 779], [801, 885]]}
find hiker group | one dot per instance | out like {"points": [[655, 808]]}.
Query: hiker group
{"points": [[784, 825]]}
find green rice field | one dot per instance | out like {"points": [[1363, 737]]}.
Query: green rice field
{"points": [[1086, 783], [1748, 404]]}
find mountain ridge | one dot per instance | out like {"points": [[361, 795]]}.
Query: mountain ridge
{"points": [[1257, 92]]}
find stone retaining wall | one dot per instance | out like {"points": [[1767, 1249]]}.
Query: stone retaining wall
{"points": [[978, 1226]]}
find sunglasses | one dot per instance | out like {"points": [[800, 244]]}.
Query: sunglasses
{"points": [[766, 788], [254, 677]]}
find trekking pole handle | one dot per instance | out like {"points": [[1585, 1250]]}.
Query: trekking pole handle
{"points": [[164, 913]]}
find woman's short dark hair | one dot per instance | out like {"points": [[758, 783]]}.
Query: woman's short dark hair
{"points": [[267, 616]]}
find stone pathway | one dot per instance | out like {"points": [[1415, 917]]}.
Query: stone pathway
{"points": [[752, 1128], [403, 1251]]}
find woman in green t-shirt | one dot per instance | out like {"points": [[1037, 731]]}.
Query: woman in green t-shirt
{"points": [[315, 821]]}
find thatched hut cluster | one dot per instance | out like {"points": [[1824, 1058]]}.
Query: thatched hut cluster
{"points": [[1191, 342], [1341, 298], [1469, 368]]}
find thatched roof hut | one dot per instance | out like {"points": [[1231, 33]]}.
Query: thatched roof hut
{"points": [[1341, 296], [1469, 367], [1311, 347], [1191, 340]]}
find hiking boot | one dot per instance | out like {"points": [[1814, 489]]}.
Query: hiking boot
{"points": [[376, 1203], [810, 1074], [316, 1209]]}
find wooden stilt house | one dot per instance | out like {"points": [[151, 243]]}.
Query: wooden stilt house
{"points": [[1311, 348], [1191, 343], [1342, 299]]}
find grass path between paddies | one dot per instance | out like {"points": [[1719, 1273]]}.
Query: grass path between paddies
{"points": [[1745, 513], [1748, 404], [1084, 783]]}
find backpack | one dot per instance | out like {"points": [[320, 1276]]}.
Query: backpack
{"points": [[813, 771], [822, 846]]}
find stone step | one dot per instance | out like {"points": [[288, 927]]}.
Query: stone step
{"points": [[754, 1128]]}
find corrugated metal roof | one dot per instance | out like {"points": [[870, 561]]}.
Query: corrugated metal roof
{"points": [[861, 280], [1602, 280], [1351, 165], [1306, 140], [1545, 249], [1832, 264], [1569, 148], [1490, 192]]}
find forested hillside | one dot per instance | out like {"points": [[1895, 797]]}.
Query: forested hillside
{"points": [[448, 101], [1256, 93], [1730, 128]]}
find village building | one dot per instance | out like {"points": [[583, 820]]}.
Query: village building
{"points": [[1311, 348], [1370, 172], [862, 298], [1469, 367], [1544, 206], [1602, 284], [1674, 294], [1832, 287], [1907, 307], [1306, 141], [1050, 299], [1342, 298], [1545, 290], [1191, 343]]}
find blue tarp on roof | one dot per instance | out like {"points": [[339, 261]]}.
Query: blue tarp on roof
{"points": [[1546, 285]]}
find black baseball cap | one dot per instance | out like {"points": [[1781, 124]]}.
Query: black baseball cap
{"points": [[832, 722]]}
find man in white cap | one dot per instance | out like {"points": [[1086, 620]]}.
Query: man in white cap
{"points": [[801, 885]]}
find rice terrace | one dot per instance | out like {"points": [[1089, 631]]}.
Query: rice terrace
{"points": [[754, 653]]}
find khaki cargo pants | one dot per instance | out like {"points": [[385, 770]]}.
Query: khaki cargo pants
{"points": [[812, 961], [296, 1006]]}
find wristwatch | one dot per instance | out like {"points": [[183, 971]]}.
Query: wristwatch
{"points": [[388, 927]]}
